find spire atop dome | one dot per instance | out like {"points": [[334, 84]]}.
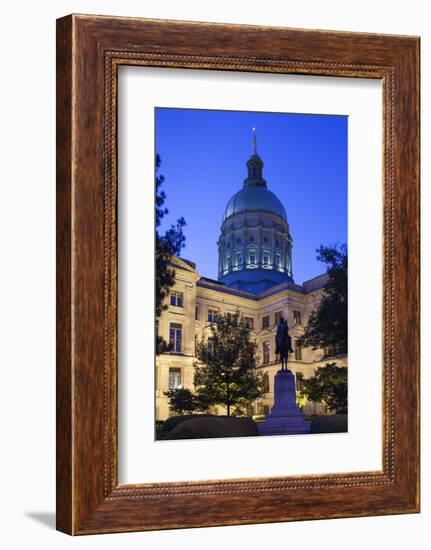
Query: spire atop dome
{"points": [[254, 142], [250, 258], [254, 167]]}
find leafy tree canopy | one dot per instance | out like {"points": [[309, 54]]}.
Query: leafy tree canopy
{"points": [[328, 385], [327, 326], [168, 244], [226, 372], [181, 400]]}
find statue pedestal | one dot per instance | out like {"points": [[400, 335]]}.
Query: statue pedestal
{"points": [[285, 416]]}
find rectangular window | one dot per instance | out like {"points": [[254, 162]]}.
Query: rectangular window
{"points": [[176, 299], [277, 260], [239, 259], [265, 321], [212, 316], [265, 352], [197, 313], [266, 383], [175, 336], [249, 322], [299, 381], [252, 258], [296, 317], [277, 316], [265, 258], [298, 351], [174, 379]]}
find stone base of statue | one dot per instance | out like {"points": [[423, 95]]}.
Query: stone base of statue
{"points": [[285, 416]]}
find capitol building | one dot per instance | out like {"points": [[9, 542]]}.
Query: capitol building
{"points": [[255, 276]]}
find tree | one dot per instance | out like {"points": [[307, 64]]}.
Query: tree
{"points": [[328, 385], [327, 326], [181, 400], [168, 244], [226, 371]]}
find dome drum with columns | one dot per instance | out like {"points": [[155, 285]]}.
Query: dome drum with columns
{"points": [[255, 246]]}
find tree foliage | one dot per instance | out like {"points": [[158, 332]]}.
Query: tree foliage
{"points": [[327, 326], [181, 400], [168, 244], [226, 372], [328, 385]]}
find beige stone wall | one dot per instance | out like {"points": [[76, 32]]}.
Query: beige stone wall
{"points": [[211, 297]]}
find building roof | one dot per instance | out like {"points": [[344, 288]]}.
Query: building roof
{"points": [[254, 196], [309, 286], [254, 199]]}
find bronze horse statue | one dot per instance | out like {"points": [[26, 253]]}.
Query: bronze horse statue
{"points": [[283, 342]]}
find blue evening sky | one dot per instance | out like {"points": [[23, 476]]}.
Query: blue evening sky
{"points": [[204, 155]]}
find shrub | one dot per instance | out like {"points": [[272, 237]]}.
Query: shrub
{"points": [[201, 427], [334, 423], [181, 400], [173, 421]]}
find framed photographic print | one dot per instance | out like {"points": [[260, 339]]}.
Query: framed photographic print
{"points": [[237, 274]]}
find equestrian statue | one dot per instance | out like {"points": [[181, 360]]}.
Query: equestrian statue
{"points": [[283, 342]]}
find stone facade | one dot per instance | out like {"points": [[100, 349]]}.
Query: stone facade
{"points": [[200, 298]]}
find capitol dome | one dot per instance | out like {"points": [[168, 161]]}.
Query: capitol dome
{"points": [[256, 199], [255, 246]]}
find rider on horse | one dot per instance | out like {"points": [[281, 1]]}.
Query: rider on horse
{"points": [[283, 342]]}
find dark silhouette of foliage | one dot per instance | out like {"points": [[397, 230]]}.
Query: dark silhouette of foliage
{"points": [[203, 426], [327, 326], [226, 373], [181, 400], [172, 421], [167, 245], [328, 385]]}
